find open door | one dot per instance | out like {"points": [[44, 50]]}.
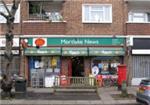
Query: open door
{"points": [[77, 66]]}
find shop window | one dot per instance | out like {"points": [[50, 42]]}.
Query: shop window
{"points": [[14, 66], [47, 64], [105, 65], [43, 70]]}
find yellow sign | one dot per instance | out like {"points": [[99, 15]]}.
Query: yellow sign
{"points": [[54, 62]]}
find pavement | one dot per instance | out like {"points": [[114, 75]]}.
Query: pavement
{"points": [[105, 98]]}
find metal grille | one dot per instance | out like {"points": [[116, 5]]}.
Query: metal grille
{"points": [[37, 79], [141, 66]]}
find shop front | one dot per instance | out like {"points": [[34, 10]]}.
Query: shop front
{"points": [[72, 56], [14, 66], [140, 59]]}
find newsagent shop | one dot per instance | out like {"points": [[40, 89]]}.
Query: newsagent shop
{"points": [[70, 56]]}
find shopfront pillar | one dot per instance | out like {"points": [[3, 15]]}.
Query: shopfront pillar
{"points": [[64, 66], [87, 66]]}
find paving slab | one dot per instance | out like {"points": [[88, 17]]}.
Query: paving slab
{"points": [[103, 93]]}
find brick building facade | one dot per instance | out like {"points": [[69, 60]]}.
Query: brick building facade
{"points": [[103, 30]]}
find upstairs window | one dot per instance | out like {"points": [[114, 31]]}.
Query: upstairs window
{"points": [[139, 17], [17, 15], [97, 13], [45, 11]]}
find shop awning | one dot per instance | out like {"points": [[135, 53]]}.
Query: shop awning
{"points": [[106, 51], [74, 51], [43, 51]]}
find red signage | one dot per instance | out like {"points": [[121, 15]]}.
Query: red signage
{"points": [[39, 42]]}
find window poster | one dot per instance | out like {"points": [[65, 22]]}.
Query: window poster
{"points": [[95, 70], [54, 62], [37, 64]]}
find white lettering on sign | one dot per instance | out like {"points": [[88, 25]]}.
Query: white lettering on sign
{"points": [[106, 52], [15, 42], [42, 52], [91, 41], [79, 42], [64, 41], [74, 52]]}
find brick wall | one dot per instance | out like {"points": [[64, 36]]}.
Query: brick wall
{"points": [[24, 11], [43, 28], [72, 12], [16, 31], [138, 28]]}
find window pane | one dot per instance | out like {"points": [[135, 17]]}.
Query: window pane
{"points": [[96, 8], [2, 9], [97, 13], [14, 64], [97, 16], [139, 14], [138, 17], [17, 15], [107, 15], [148, 15], [86, 13]]}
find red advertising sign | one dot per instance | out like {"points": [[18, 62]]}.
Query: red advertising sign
{"points": [[39, 42]]}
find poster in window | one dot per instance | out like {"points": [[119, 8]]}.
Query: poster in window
{"points": [[105, 66], [95, 70], [54, 62], [37, 64]]}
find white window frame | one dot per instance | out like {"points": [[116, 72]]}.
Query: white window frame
{"points": [[17, 15], [102, 5], [131, 16]]}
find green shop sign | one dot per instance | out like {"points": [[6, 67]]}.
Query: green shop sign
{"points": [[106, 51], [42, 51], [75, 51], [80, 41]]}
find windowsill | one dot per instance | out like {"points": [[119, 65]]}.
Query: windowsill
{"points": [[138, 22], [96, 22], [41, 21]]}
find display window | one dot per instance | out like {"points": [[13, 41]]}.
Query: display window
{"points": [[43, 70], [14, 66], [105, 65], [48, 64]]}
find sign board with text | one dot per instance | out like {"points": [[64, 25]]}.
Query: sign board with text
{"points": [[15, 42], [81, 41]]}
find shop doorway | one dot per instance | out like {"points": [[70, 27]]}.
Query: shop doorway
{"points": [[77, 66]]}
